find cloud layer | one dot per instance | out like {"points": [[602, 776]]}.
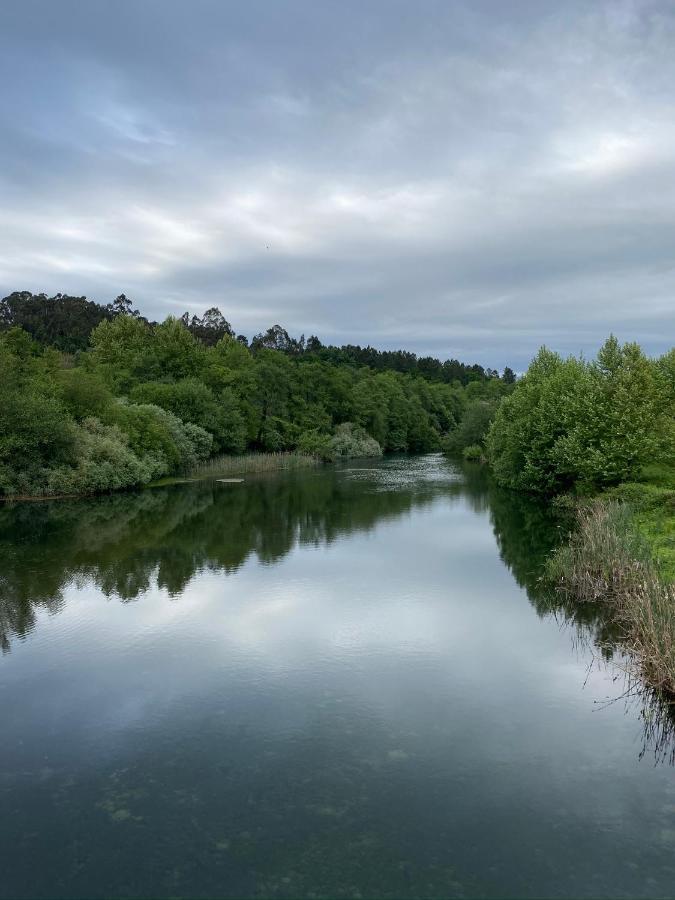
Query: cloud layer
{"points": [[466, 179]]}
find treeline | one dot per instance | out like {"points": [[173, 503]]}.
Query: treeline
{"points": [[65, 323], [142, 400]]}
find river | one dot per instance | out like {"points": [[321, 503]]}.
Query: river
{"points": [[342, 682]]}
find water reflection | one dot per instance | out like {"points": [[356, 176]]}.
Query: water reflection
{"points": [[126, 544], [322, 683]]}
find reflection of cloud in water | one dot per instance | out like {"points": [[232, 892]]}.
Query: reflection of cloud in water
{"points": [[126, 544], [433, 591]]}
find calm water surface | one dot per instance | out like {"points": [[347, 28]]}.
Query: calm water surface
{"points": [[338, 683]]}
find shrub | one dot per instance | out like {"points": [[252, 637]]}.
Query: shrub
{"points": [[473, 426], [351, 441], [104, 462], [159, 437], [315, 443], [192, 401], [201, 440], [473, 453]]}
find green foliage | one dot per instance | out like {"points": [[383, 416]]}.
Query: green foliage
{"points": [[569, 422], [315, 443], [103, 462], [175, 351], [83, 394], [121, 351], [61, 321], [35, 431], [175, 392], [192, 401], [473, 453], [473, 427], [351, 441], [160, 438]]}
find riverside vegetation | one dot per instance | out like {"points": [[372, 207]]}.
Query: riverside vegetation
{"points": [[599, 437], [96, 398]]}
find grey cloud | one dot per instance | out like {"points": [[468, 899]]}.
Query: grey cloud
{"points": [[468, 179]]}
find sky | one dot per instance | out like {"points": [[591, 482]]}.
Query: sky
{"points": [[462, 179]]}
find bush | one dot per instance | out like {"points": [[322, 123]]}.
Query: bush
{"points": [[473, 453], [351, 441], [201, 440], [104, 462], [314, 443], [159, 438], [192, 401], [473, 426]]}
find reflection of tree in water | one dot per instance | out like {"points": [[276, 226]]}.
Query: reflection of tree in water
{"points": [[126, 543], [527, 531]]}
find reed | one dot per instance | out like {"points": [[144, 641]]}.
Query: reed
{"points": [[253, 462], [607, 560]]}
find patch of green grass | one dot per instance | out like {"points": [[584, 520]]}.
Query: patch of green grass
{"points": [[657, 525], [652, 501]]}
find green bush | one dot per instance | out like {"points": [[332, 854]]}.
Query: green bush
{"points": [[569, 422], [35, 430], [192, 401], [103, 462], [351, 441], [473, 426], [83, 394], [314, 443], [473, 453]]}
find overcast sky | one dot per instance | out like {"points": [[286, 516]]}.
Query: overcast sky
{"points": [[464, 179]]}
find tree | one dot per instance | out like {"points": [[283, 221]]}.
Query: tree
{"points": [[122, 306], [60, 321], [570, 422], [211, 328], [277, 338], [35, 432]]}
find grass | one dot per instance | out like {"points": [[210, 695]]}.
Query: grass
{"points": [[253, 462], [610, 559], [652, 500]]}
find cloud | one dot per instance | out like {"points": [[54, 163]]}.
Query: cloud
{"points": [[467, 179]]}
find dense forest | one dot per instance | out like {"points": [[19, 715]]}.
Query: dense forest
{"points": [[96, 398]]}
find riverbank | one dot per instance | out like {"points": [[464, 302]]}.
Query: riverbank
{"points": [[622, 553], [246, 463]]}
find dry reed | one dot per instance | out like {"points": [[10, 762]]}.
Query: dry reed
{"points": [[253, 462], [607, 560]]}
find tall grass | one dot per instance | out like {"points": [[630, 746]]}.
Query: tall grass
{"points": [[253, 462], [607, 560]]}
